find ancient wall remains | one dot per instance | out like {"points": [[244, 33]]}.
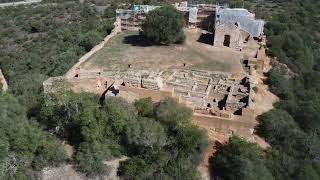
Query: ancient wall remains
{"points": [[226, 126], [74, 70], [228, 35], [195, 15], [143, 93]]}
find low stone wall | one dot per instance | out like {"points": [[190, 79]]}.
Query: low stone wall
{"points": [[74, 70], [227, 126], [243, 128], [155, 95]]}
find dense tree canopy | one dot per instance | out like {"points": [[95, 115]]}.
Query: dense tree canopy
{"points": [[239, 160], [146, 132], [45, 41], [115, 127], [24, 143], [171, 113], [42, 41], [292, 128], [164, 25]]}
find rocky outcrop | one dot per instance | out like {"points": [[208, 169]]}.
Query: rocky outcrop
{"points": [[3, 82]]}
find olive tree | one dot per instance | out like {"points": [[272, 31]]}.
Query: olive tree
{"points": [[164, 26]]}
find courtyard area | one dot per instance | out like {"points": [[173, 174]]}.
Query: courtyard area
{"points": [[130, 50]]}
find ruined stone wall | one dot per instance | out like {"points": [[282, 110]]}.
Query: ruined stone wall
{"points": [[243, 127], [226, 126], [156, 95], [232, 30], [74, 70]]}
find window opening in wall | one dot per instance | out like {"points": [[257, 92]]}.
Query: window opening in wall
{"points": [[226, 41]]}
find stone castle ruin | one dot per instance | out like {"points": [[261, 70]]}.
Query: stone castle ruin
{"points": [[234, 27], [200, 15], [213, 96], [231, 27], [206, 92], [221, 102]]}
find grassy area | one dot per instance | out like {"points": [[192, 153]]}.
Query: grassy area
{"points": [[111, 54], [131, 48]]}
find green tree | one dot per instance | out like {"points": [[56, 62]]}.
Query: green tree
{"points": [[164, 25], [90, 39], [50, 153], [308, 173], [67, 112], [144, 107], [280, 81], [135, 169], [120, 112], [239, 159], [192, 142], [279, 128], [281, 165], [23, 141], [146, 132], [170, 112], [91, 156], [111, 11], [182, 169]]}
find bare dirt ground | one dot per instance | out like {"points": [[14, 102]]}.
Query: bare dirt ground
{"points": [[204, 167], [264, 99], [130, 48], [68, 172], [198, 53]]}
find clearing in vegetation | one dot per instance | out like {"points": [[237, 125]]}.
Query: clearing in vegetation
{"points": [[131, 49]]}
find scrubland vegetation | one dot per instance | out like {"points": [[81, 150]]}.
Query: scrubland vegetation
{"points": [[158, 142], [42, 41], [293, 127], [46, 40]]}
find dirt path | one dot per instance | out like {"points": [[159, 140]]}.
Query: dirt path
{"points": [[204, 166], [264, 99], [2, 5], [68, 172]]}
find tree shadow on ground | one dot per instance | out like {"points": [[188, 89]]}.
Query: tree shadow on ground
{"points": [[206, 38], [213, 175], [139, 40]]}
